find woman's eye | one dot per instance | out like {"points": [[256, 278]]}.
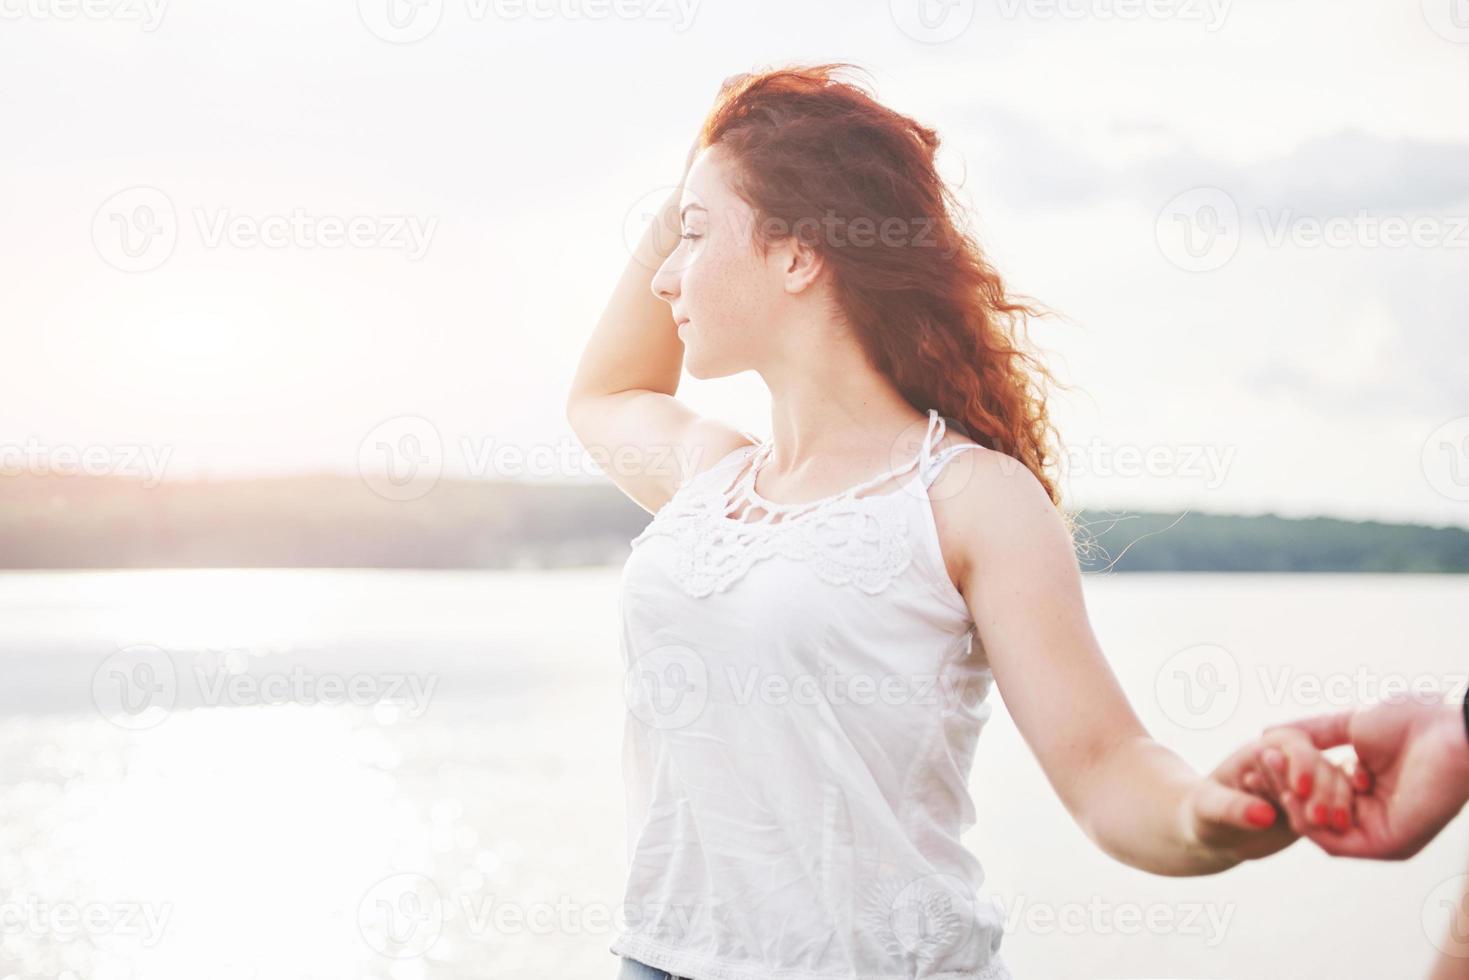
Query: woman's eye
{"points": [[690, 236]]}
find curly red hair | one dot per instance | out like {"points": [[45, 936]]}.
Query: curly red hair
{"points": [[812, 151]]}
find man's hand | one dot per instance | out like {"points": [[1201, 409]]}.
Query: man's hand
{"points": [[1416, 756]]}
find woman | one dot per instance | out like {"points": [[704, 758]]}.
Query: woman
{"points": [[812, 623]]}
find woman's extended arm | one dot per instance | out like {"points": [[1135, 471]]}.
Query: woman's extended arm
{"points": [[1135, 798]]}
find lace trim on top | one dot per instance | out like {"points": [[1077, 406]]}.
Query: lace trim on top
{"points": [[845, 537]]}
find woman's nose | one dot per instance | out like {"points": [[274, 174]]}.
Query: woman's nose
{"points": [[665, 282]]}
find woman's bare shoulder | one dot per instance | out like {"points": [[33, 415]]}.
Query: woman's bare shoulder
{"points": [[980, 494]]}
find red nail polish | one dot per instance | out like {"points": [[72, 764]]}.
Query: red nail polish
{"points": [[1260, 814], [1343, 819], [1359, 779], [1318, 814], [1303, 785]]}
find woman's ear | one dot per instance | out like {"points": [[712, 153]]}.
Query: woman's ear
{"points": [[801, 264]]}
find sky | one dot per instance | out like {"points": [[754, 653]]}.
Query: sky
{"points": [[287, 237]]}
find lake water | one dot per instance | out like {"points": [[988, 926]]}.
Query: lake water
{"points": [[416, 776]]}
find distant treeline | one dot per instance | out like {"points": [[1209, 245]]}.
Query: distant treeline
{"points": [[335, 521]]}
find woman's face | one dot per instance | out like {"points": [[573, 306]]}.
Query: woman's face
{"points": [[726, 298]]}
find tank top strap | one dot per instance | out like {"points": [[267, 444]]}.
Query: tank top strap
{"points": [[925, 463], [933, 463], [723, 465], [933, 434]]}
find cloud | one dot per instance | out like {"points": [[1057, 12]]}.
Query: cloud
{"points": [[1025, 165], [1394, 345]]}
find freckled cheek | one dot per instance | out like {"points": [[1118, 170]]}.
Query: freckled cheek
{"points": [[722, 272], [700, 280], [717, 288]]}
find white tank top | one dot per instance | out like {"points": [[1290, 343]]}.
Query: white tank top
{"points": [[804, 692]]}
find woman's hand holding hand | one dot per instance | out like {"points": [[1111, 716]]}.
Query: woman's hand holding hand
{"points": [[1234, 811], [1317, 795]]}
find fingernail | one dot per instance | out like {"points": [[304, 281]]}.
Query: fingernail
{"points": [[1342, 819], [1260, 814], [1303, 784], [1318, 814], [1359, 779]]}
